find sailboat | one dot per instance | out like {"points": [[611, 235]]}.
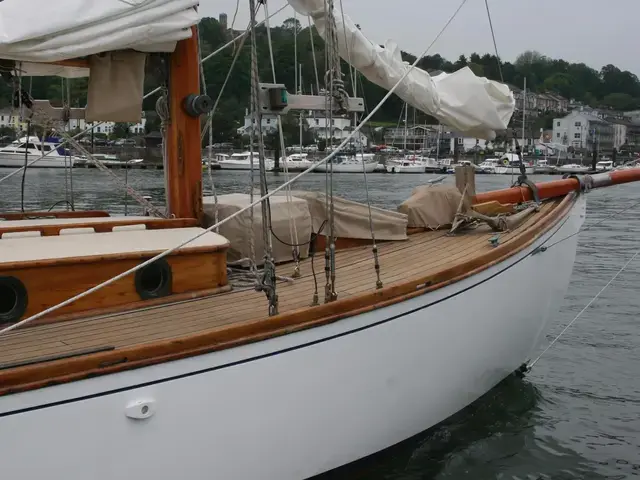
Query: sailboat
{"points": [[126, 348]]}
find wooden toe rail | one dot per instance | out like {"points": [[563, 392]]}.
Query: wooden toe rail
{"points": [[256, 329], [47, 214], [102, 227]]}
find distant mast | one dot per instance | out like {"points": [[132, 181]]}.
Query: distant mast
{"points": [[524, 111]]}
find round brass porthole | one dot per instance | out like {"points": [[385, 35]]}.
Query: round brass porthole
{"points": [[13, 299], [154, 280]]}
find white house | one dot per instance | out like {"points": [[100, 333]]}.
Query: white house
{"points": [[269, 123], [580, 128]]}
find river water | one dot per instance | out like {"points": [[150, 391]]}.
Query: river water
{"points": [[575, 416]]}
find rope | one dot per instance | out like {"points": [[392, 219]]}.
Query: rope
{"points": [[267, 282], [147, 95], [532, 364], [241, 278], [242, 210], [346, 46], [293, 229], [337, 92], [203, 82], [68, 128]]}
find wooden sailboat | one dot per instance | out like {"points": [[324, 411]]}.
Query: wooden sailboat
{"points": [[173, 372]]}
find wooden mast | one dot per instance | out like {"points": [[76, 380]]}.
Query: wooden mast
{"points": [[184, 155]]}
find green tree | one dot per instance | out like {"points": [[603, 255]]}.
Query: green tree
{"points": [[121, 130]]}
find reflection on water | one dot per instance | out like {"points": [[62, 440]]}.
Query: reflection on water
{"points": [[577, 415]]}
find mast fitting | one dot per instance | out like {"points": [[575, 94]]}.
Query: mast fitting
{"points": [[196, 105]]}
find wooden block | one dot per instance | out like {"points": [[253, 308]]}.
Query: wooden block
{"points": [[494, 208], [466, 177], [56, 268]]}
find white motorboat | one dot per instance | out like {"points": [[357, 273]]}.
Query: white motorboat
{"points": [[44, 154]]}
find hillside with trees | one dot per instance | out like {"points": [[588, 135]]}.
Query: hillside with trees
{"points": [[608, 87]]}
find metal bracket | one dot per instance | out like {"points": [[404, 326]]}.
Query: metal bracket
{"points": [[586, 182], [523, 180], [274, 99], [57, 113]]}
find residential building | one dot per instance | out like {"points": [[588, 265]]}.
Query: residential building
{"points": [[10, 118], [580, 129], [625, 133], [417, 137], [539, 102], [269, 124]]}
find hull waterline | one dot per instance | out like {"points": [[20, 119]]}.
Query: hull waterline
{"points": [[304, 403], [17, 161]]}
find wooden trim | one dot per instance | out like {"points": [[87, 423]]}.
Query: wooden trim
{"points": [[183, 166], [102, 227], [62, 371], [156, 302], [54, 214], [97, 259]]}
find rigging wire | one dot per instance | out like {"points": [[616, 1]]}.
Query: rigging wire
{"points": [[147, 95], [532, 364], [267, 281], [293, 229], [493, 36], [203, 86], [354, 85], [242, 210], [313, 55], [599, 222]]}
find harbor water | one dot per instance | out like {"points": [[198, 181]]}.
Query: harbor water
{"points": [[575, 416]]}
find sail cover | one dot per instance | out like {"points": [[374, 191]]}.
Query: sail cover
{"points": [[472, 105], [49, 30]]}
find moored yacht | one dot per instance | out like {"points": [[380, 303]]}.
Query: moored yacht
{"points": [[47, 153]]}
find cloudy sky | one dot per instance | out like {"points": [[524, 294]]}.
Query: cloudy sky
{"points": [[596, 32]]}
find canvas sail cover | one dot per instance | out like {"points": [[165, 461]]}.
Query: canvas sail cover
{"points": [[469, 104], [48, 31]]}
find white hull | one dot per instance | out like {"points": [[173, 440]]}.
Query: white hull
{"points": [[355, 167], [294, 406], [513, 170], [296, 166], [241, 165], [405, 168], [50, 161], [578, 170]]}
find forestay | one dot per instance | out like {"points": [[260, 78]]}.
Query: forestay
{"points": [[467, 103], [46, 31]]}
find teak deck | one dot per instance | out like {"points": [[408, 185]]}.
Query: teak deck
{"points": [[30, 357]]}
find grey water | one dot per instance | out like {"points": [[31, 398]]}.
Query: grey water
{"points": [[575, 416]]}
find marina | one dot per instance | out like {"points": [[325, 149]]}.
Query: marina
{"points": [[175, 307]]}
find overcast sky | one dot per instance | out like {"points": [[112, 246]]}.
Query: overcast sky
{"points": [[596, 32]]}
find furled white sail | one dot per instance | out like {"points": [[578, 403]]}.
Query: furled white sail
{"points": [[469, 104], [49, 30]]}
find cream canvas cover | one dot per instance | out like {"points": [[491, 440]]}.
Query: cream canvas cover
{"points": [[352, 218], [431, 206], [47, 31], [237, 230]]}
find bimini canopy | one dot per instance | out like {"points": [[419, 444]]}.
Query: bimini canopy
{"points": [[475, 106], [50, 31]]}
